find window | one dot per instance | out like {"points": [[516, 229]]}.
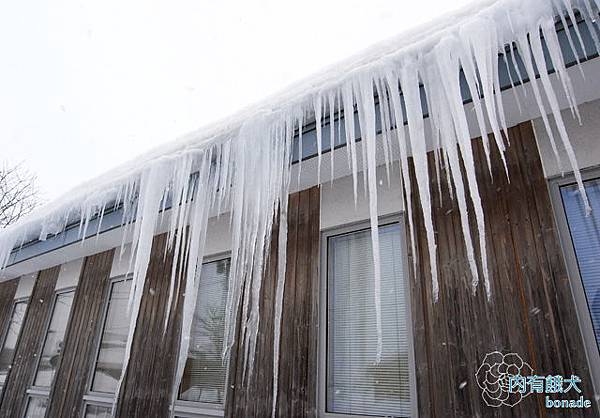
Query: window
{"points": [[111, 353], [36, 407], [49, 355], [585, 236], [354, 384], [580, 239], [10, 340], [98, 411], [53, 344], [205, 375]]}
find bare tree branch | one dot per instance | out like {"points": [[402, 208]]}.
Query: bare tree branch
{"points": [[19, 194]]}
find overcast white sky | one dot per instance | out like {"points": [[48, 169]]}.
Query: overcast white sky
{"points": [[85, 86]]}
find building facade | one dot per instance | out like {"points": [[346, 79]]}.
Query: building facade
{"points": [[65, 304]]}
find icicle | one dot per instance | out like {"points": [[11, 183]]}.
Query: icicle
{"points": [[523, 44], [385, 127], [512, 81], [318, 106], [348, 103], [409, 80], [538, 54], [392, 82], [368, 132], [331, 134], [154, 182], [483, 41], [281, 270], [448, 79]]}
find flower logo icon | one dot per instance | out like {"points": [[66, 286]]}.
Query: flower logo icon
{"points": [[493, 377]]}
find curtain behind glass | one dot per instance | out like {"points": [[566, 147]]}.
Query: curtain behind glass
{"points": [[205, 374], [355, 383], [585, 234]]}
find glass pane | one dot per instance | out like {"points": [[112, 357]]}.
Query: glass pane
{"points": [[10, 343], [356, 384], [53, 345], [97, 411], [36, 407], [205, 374], [114, 338], [585, 233]]}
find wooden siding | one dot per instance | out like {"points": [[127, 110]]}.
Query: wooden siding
{"points": [[252, 397], [36, 319], [149, 380], [7, 300], [72, 377], [531, 311]]}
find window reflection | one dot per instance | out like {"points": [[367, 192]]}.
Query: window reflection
{"points": [[36, 407], [97, 411], [53, 345], [10, 342], [113, 340]]}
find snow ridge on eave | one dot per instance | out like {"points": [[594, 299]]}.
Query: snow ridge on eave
{"points": [[299, 95]]}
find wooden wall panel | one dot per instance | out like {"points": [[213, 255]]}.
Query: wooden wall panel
{"points": [[72, 377], [149, 380], [531, 310], [252, 397], [7, 296], [32, 332]]}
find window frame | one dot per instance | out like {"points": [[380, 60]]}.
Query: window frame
{"points": [[33, 391], [584, 317], [32, 387], [34, 394], [27, 301], [191, 409], [92, 397], [345, 229]]}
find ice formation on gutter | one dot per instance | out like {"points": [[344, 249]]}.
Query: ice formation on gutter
{"points": [[243, 165]]}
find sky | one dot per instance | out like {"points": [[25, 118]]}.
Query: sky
{"points": [[86, 86]]}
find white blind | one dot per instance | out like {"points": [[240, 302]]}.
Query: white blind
{"points": [[205, 374], [355, 383], [585, 233]]}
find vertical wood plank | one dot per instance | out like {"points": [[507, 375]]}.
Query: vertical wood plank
{"points": [[299, 327], [148, 382], [7, 296], [531, 309], [72, 377], [20, 375]]}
